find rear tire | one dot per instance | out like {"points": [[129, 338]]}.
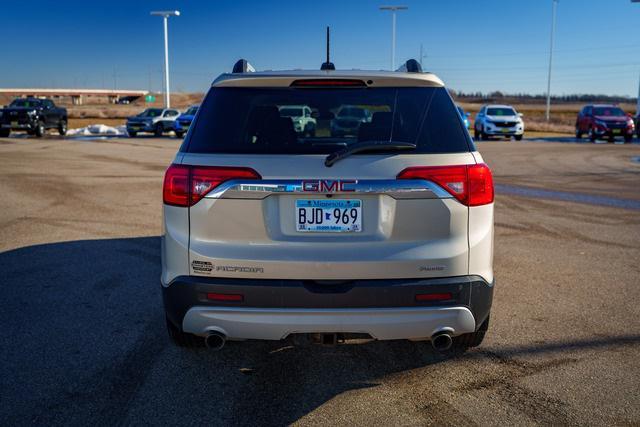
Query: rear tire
{"points": [[628, 138], [132, 134], [39, 130], [464, 342], [158, 130], [62, 127], [592, 135], [578, 134], [182, 339], [179, 133], [476, 134], [4, 133], [519, 137]]}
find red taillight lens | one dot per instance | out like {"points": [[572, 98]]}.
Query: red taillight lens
{"points": [[472, 185], [186, 185], [206, 178], [444, 296], [328, 82], [211, 296], [175, 190], [480, 185]]}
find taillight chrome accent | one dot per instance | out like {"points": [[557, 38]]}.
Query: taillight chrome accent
{"points": [[472, 185], [186, 185]]}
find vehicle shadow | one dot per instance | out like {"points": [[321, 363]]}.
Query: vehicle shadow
{"points": [[83, 341]]}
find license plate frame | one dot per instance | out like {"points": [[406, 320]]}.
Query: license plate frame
{"points": [[350, 210]]}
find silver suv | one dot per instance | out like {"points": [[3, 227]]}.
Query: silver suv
{"points": [[386, 233]]}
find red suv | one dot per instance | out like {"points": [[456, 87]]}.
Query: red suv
{"points": [[604, 121]]}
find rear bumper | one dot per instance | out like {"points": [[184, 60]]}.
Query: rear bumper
{"points": [[278, 323], [273, 309]]}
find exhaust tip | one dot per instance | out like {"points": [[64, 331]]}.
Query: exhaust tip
{"points": [[441, 341], [215, 341]]}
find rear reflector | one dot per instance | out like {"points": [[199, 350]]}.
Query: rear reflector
{"points": [[444, 296], [472, 185], [186, 185], [225, 297], [328, 82]]}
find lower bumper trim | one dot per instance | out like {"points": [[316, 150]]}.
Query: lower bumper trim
{"points": [[278, 323]]}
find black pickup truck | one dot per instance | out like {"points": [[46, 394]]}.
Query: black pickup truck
{"points": [[32, 115]]}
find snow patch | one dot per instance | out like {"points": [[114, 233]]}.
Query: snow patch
{"points": [[98, 129]]}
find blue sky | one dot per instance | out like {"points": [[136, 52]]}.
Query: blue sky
{"points": [[473, 45]]}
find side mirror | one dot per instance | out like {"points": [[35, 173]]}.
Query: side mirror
{"points": [[520, 115]]}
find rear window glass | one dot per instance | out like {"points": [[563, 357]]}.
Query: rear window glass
{"points": [[261, 120]]}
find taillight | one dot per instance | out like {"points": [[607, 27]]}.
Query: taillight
{"points": [[328, 82], [472, 185], [186, 185]]}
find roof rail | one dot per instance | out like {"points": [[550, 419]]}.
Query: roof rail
{"points": [[242, 66], [411, 66], [327, 66]]}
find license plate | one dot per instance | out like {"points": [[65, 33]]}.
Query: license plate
{"points": [[505, 130], [329, 216], [617, 131], [14, 123]]}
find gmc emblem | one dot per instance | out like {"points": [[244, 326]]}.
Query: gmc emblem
{"points": [[328, 186]]}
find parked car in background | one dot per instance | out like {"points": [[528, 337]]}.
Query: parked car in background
{"points": [[498, 120], [464, 116], [348, 120], [300, 115], [182, 123], [604, 121], [154, 120], [32, 115]]}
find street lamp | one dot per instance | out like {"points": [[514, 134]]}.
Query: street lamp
{"points": [[165, 16], [553, 30], [393, 10], [638, 101]]}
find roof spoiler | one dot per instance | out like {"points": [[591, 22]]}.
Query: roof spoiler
{"points": [[242, 66], [411, 66]]}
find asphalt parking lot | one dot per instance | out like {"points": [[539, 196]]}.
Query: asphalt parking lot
{"points": [[82, 327]]}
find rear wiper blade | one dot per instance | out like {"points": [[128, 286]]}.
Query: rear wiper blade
{"points": [[359, 147]]}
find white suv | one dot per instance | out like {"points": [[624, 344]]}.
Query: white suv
{"points": [[384, 234], [498, 120]]}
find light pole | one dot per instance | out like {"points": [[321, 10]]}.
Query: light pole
{"points": [[393, 10], [165, 16], [553, 30], [638, 100]]}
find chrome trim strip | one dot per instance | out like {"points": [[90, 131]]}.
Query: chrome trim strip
{"points": [[398, 189]]}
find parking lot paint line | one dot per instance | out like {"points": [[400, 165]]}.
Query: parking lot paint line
{"points": [[589, 199]]}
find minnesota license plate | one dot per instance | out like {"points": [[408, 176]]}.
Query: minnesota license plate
{"points": [[329, 216]]}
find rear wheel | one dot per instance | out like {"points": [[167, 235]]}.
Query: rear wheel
{"points": [[179, 133], [158, 130], [592, 135], [578, 133], [182, 339], [132, 134], [62, 127], [519, 137], [483, 136], [39, 129], [628, 138], [4, 133], [476, 133]]}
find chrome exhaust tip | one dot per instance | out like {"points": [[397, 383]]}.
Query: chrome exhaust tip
{"points": [[441, 341], [215, 341]]}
